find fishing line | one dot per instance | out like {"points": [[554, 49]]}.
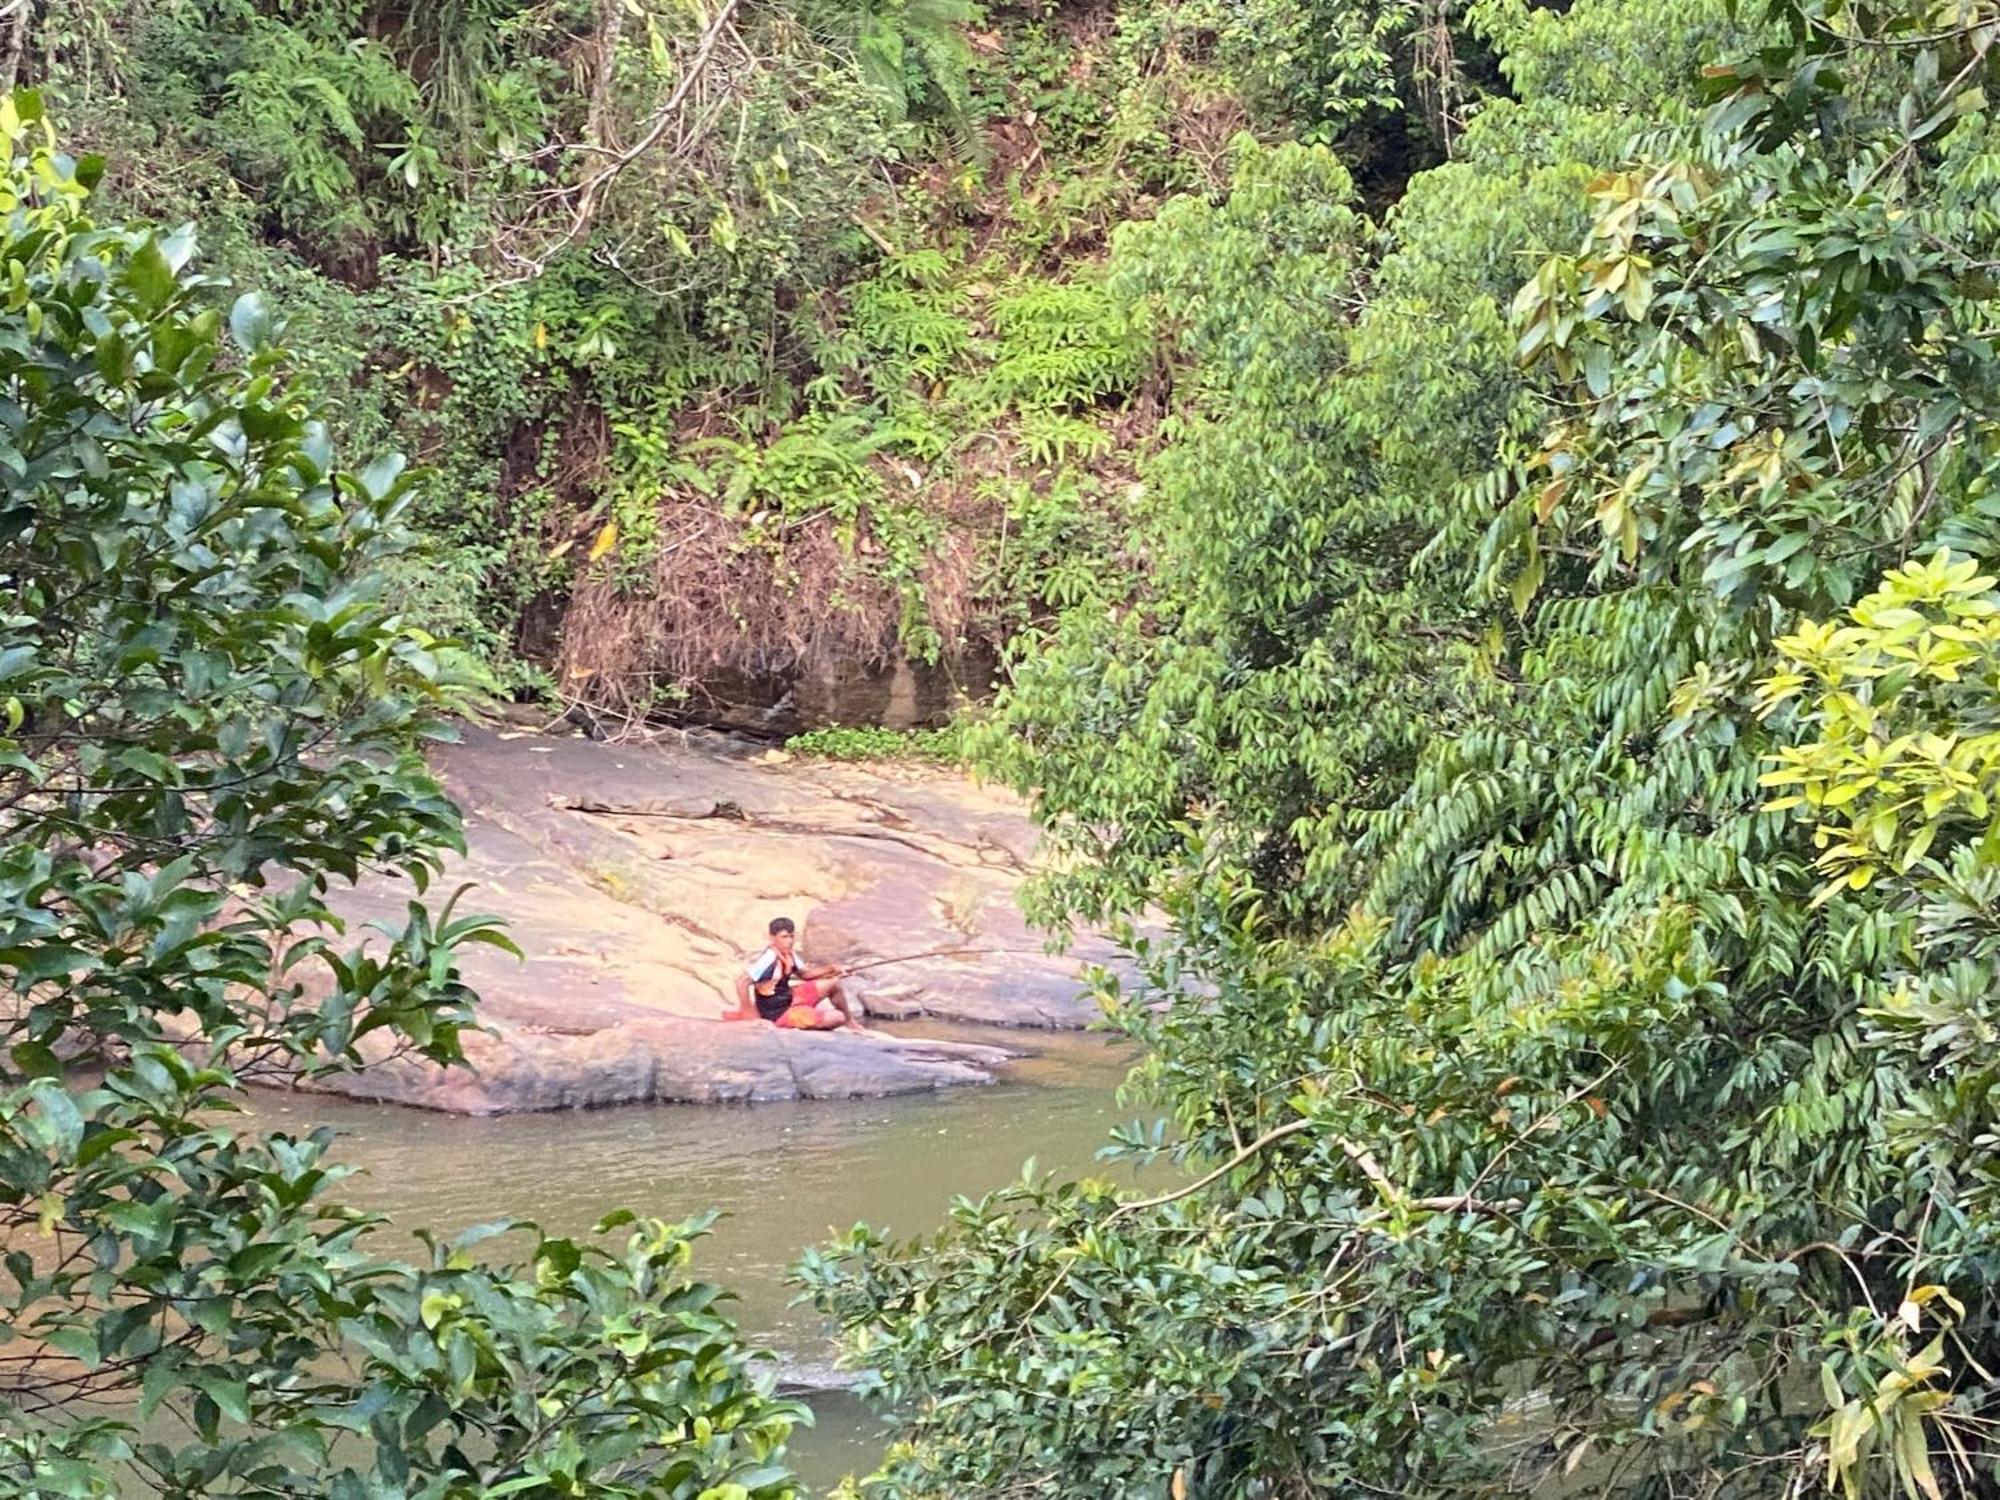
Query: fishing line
{"points": [[910, 958]]}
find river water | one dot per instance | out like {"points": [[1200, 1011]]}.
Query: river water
{"points": [[785, 1176]]}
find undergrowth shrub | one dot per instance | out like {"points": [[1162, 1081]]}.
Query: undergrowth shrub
{"points": [[865, 743]]}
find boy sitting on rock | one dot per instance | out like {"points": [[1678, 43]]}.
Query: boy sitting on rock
{"points": [[777, 987]]}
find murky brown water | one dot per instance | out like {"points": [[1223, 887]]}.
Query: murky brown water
{"points": [[784, 1175]]}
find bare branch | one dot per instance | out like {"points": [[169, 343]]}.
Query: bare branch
{"points": [[593, 188]]}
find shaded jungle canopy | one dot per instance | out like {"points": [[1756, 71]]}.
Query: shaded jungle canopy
{"points": [[697, 308]]}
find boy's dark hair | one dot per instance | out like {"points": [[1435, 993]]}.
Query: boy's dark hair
{"points": [[781, 924]]}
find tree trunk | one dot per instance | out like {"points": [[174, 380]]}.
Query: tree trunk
{"points": [[17, 43], [610, 26]]}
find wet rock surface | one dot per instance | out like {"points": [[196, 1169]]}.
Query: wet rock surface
{"points": [[636, 878]]}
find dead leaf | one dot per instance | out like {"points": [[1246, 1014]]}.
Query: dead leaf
{"points": [[1545, 505]]}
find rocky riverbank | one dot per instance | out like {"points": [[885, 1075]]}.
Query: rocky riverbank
{"points": [[636, 876]]}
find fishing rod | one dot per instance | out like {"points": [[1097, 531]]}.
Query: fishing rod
{"points": [[910, 958]]}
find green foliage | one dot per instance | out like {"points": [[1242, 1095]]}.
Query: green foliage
{"points": [[307, 114], [914, 52], [1274, 547], [1319, 66], [550, 248], [1904, 751], [1063, 345], [350, 136], [936, 746], [211, 722], [1557, 1126], [837, 237], [1065, 545], [909, 315]]}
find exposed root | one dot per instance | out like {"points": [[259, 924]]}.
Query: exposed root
{"points": [[726, 608]]}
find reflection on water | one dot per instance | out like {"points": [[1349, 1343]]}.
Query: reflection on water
{"points": [[784, 1175]]}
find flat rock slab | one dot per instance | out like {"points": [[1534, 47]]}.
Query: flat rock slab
{"points": [[638, 877], [666, 1060]]}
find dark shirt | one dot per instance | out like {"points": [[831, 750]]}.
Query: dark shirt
{"points": [[770, 968]]}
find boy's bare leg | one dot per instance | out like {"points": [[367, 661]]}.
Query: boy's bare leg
{"points": [[849, 1011]]}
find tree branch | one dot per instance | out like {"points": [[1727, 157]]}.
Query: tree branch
{"points": [[1268, 1137], [593, 188], [1359, 1155]]}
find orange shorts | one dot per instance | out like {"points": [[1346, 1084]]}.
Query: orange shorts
{"points": [[804, 1014]]}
